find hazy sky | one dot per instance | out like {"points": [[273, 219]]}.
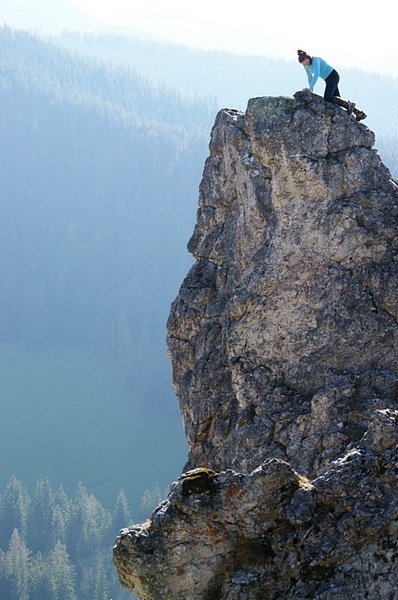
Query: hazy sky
{"points": [[344, 33]]}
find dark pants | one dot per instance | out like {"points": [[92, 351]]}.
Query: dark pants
{"points": [[332, 82]]}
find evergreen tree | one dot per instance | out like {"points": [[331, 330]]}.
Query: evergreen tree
{"points": [[41, 520], [61, 574], [101, 589], [121, 516], [95, 580], [150, 500], [61, 516], [90, 523], [5, 585], [38, 578], [18, 567], [14, 510]]}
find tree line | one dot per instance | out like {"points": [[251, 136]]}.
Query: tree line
{"points": [[53, 547]]}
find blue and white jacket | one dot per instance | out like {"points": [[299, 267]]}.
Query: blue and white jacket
{"points": [[318, 68]]}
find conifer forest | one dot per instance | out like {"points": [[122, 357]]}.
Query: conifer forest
{"points": [[54, 546]]}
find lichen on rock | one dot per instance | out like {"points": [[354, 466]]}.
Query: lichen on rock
{"points": [[284, 346]]}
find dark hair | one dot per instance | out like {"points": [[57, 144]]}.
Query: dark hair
{"points": [[302, 55]]}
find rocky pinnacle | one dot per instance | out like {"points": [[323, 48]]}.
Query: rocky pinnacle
{"points": [[284, 346]]}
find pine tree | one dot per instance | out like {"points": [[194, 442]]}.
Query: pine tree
{"points": [[14, 511], [121, 516], [150, 500], [101, 589], [41, 519], [61, 574], [5, 586], [38, 586], [17, 567], [90, 523], [95, 580], [61, 516]]}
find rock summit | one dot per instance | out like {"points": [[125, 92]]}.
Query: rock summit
{"points": [[284, 346]]}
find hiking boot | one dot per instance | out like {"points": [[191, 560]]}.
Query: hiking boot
{"points": [[360, 115], [350, 107]]}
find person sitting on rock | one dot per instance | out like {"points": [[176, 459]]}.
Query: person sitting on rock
{"points": [[316, 67]]}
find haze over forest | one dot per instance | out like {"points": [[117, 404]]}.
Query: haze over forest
{"points": [[103, 141]]}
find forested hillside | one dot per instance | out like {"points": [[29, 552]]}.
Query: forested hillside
{"points": [[99, 174], [98, 177]]}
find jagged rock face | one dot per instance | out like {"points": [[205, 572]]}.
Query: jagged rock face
{"points": [[284, 340], [273, 534], [284, 334]]}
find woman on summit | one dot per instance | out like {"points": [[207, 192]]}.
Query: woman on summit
{"points": [[316, 67]]}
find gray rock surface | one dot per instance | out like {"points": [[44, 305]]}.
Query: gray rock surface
{"points": [[283, 340]]}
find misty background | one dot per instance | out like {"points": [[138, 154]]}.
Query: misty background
{"points": [[103, 142]]}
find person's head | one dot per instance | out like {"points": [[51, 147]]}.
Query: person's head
{"points": [[304, 58]]}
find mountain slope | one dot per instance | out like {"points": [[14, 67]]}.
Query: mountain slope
{"points": [[98, 173]]}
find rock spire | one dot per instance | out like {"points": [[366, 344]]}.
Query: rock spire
{"points": [[284, 345]]}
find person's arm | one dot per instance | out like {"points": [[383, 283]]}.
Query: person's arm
{"points": [[316, 65]]}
